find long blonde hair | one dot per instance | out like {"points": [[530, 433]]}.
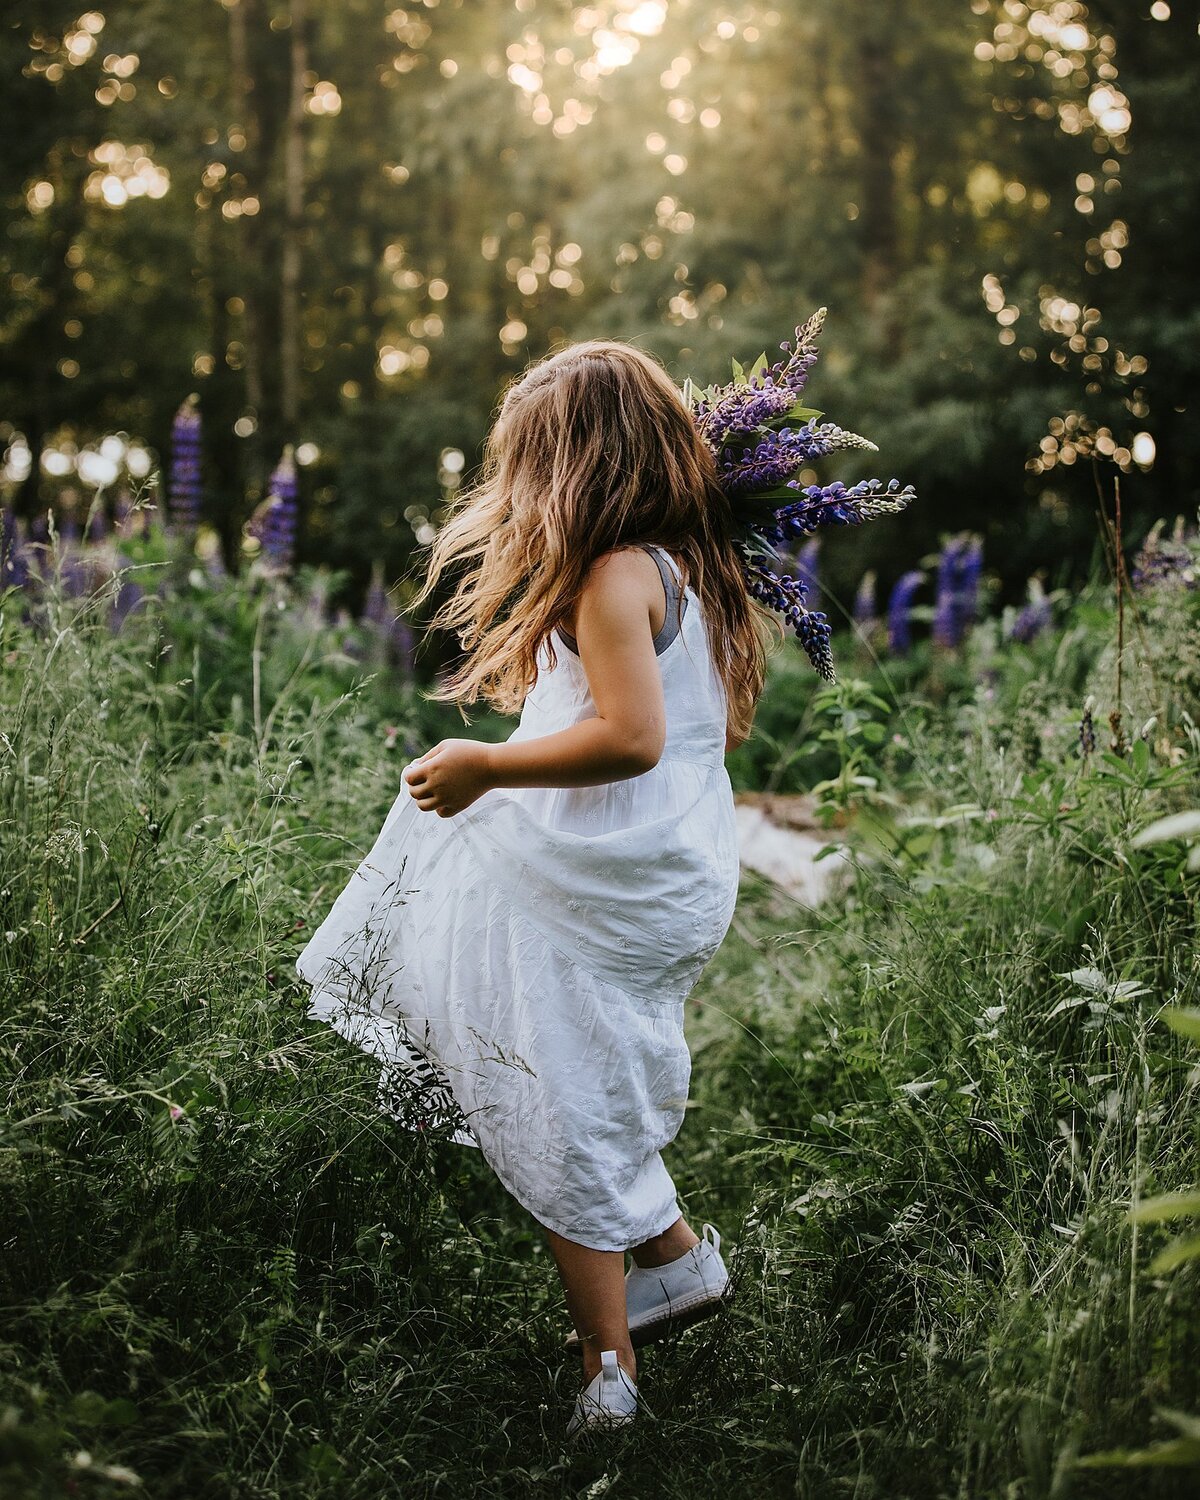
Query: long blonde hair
{"points": [[592, 449]]}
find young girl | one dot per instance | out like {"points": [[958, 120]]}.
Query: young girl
{"points": [[519, 943]]}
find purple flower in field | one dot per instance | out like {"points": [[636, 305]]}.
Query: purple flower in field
{"points": [[185, 490], [1032, 618], [899, 608], [865, 609], [969, 574], [945, 607], [1166, 562], [956, 595], [277, 522], [392, 635]]}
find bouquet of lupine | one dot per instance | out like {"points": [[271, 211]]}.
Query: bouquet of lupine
{"points": [[762, 434]]}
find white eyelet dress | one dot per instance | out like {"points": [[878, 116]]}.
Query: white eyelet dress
{"points": [[520, 969]]}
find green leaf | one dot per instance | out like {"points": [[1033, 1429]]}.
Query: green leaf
{"points": [[1167, 1206], [739, 374], [802, 413], [759, 367]]}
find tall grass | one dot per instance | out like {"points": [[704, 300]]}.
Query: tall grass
{"points": [[920, 1115]]}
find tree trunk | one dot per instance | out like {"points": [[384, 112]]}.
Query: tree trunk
{"points": [[246, 114], [878, 130], [291, 258]]}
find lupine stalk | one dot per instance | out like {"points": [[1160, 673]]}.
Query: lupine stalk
{"points": [[391, 634], [945, 605], [185, 490], [1032, 618], [865, 609], [899, 611], [277, 530], [750, 427]]}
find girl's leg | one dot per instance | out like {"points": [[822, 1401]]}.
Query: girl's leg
{"points": [[594, 1283], [667, 1246]]}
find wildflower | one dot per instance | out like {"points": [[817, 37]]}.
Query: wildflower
{"points": [[956, 597], [185, 491], [899, 607], [390, 733], [277, 527], [945, 608], [176, 1112], [761, 439], [1165, 562], [392, 635], [1033, 617], [864, 601]]}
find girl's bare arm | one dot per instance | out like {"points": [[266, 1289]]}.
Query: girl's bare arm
{"points": [[614, 629]]}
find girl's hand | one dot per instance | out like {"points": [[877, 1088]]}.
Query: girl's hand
{"points": [[450, 776]]}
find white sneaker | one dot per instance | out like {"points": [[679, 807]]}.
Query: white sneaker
{"points": [[609, 1399], [663, 1299]]}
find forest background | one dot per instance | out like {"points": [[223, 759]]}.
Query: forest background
{"points": [[346, 226]]}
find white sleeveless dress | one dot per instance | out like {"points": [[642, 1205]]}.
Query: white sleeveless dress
{"points": [[520, 968]]}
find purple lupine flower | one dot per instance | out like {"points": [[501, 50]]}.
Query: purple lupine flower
{"points": [[277, 528], [763, 406], [865, 611], [833, 505], [801, 355], [1032, 618], [970, 572], [376, 610], [945, 607], [390, 633], [899, 606], [741, 411], [185, 490], [777, 456], [67, 526], [1164, 561], [786, 594]]}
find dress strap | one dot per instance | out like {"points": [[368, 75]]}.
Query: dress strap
{"points": [[676, 602]]}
